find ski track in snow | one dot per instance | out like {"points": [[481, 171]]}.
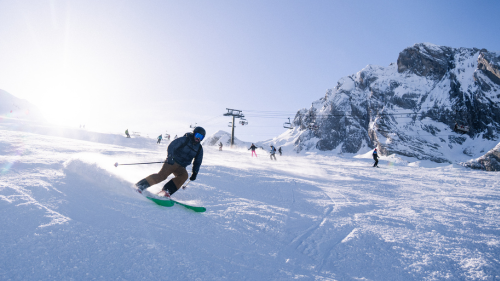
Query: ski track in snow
{"points": [[68, 213]]}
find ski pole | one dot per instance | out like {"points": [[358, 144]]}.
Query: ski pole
{"points": [[116, 164], [184, 187]]}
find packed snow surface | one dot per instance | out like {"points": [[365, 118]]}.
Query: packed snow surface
{"points": [[69, 214]]}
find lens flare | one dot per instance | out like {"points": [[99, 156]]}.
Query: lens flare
{"points": [[7, 167]]}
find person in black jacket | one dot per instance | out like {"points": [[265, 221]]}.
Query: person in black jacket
{"points": [[253, 147], [181, 153], [375, 157]]}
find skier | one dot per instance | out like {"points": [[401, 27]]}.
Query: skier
{"points": [[273, 152], [279, 150], [253, 147], [126, 133], [159, 139], [180, 154], [175, 137], [375, 157], [220, 146]]}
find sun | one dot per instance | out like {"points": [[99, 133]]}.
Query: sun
{"points": [[60, 95]]}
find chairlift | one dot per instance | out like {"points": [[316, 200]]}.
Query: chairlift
{"points": [[243, 122], [288, 125], [193, 126], [462, 129]]}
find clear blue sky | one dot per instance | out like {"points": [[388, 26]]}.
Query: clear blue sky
{"points": [[153, 66]]}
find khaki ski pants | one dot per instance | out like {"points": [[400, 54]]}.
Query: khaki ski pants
{"points": [[180, 173]]}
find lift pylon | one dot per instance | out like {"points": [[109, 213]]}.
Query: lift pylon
{"points": [[235, 113]]}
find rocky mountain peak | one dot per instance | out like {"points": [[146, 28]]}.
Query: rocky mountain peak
{"points": [[437, 103], [426, 59]]}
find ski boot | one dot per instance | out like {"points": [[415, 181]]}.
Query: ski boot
{"points": [[141, 185], [168, 189], [164, 193]]}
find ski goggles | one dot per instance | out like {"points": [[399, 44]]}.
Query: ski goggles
{"points": [[199, 136]]}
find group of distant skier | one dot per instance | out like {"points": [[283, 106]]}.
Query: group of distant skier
{"points": [[272, 151], [160, 138]]}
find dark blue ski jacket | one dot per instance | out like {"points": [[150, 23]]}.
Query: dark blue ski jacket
{"points": [[183, 150]]}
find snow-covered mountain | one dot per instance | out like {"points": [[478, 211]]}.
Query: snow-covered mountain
{"points": [[13, 107], [409, 108], [224, 138]]}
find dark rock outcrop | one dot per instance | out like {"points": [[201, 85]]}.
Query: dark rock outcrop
{"points": [[488, 162], [426, 60]]}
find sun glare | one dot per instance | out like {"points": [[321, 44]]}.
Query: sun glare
{"points": [[60, 96]]}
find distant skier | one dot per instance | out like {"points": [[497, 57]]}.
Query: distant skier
{"points": [[253, 147], [279, 150], [159, 139], [375, 157], [220, 146], [273, 152], [181, 153], [175, 137], [126, 133]]}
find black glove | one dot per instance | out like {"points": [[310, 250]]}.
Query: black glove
{"points": [[193, 176]]}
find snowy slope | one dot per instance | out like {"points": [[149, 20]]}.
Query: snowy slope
{"points": [[13, 107], [74, 133], [69, 214]]}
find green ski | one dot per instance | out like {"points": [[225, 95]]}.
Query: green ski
{"points": [[196, 209], [170, 203], [164, 203]]}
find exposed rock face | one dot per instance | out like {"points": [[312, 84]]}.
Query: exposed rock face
{"points": [[488, 162], [489, 63], [426, 60], [410, 108]]}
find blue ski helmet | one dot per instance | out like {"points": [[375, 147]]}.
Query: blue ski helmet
{"points": [[199, 130]]}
